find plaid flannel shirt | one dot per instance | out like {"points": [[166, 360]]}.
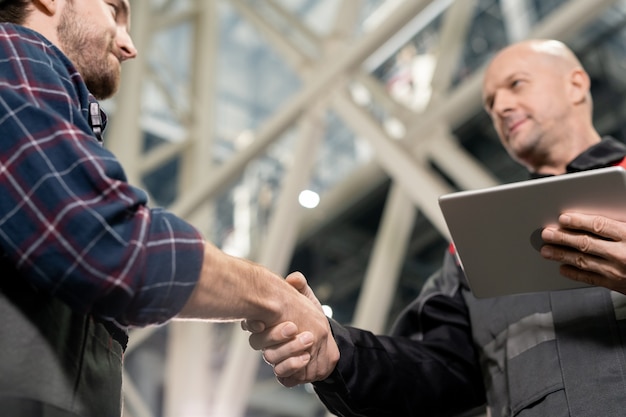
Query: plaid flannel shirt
{"points": [[70, 224]]}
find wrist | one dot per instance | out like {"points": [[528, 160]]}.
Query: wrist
{"points": [[231, 288]]}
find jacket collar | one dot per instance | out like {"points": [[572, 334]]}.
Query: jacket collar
{"points": [[607, 152]]}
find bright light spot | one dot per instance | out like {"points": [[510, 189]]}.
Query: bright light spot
{"points": [[395, 128], [244, 139], [309, 199], [328, 311], [360, 94]]}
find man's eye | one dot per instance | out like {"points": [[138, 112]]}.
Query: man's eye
{"points": [[113, 10]]}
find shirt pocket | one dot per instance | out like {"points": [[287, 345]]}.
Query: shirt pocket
{"points": [[535, 382]]}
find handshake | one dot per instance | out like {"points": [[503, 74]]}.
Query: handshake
{"points": [[301, 347]]}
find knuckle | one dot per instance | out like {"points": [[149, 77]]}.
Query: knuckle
{"points": [[585, 243], [580, 262], [599, 224]]}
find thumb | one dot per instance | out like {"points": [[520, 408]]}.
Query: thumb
{"points": [[298, 281]]}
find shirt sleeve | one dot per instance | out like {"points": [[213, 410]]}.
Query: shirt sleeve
{"points": [[70, 224], [427, 366]]}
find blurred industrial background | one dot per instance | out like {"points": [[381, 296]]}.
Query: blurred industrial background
{"points": [[317, 135]]}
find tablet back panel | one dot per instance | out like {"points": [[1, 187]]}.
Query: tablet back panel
{"points": [[496, 230]]}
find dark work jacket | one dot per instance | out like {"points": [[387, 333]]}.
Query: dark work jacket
{"points": [[531, 355]]}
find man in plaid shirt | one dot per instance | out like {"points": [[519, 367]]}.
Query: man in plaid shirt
{"points": [[83, 257]]}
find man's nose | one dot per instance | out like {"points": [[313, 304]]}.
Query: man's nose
{"points": [[125, 45], [503, 102]]}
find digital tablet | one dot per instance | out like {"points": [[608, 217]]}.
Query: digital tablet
{"points": [[496, 231]]}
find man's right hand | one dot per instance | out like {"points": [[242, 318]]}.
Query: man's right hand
{"points": [[288, 351], [231, 288]]}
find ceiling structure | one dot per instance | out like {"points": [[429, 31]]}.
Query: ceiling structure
{"points": [[234, 107]]}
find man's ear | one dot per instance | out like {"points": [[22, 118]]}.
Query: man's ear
{"points": [[579, 85], [48, 7]]}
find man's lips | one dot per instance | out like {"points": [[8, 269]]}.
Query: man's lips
{"points": [[511, 128]]}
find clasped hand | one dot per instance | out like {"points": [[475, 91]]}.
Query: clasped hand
{"points": [[297, 357], [591, 249]]}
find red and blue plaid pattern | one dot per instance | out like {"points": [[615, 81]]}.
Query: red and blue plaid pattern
{"points": [[70, 224]]}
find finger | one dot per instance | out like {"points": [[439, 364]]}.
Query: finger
{"points": [[278, 334], [291, 381], [598, 225], [557, 236], [587, 268], [612, 283], [253, 326], [298, 281], [293, 348], [574, 258], [576, 274], [593, 278], [292, 366], [319, 367], [581, 242]]}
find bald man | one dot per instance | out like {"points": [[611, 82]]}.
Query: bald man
{"points": [[544, 354]]}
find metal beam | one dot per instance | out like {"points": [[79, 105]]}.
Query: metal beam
{"points": [[421, 184], [242, 364], [383, 270], [327, 72]]}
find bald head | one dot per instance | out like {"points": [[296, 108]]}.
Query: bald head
{"points": [[537, 95], [550, 49], [549, 56]]}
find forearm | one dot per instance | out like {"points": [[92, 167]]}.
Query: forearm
{"points": [[381, 376], [429, 358], [231, 288]]}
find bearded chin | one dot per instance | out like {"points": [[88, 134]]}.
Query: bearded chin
{"points": [[104, 84], [91, 53], [101, 74]]}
